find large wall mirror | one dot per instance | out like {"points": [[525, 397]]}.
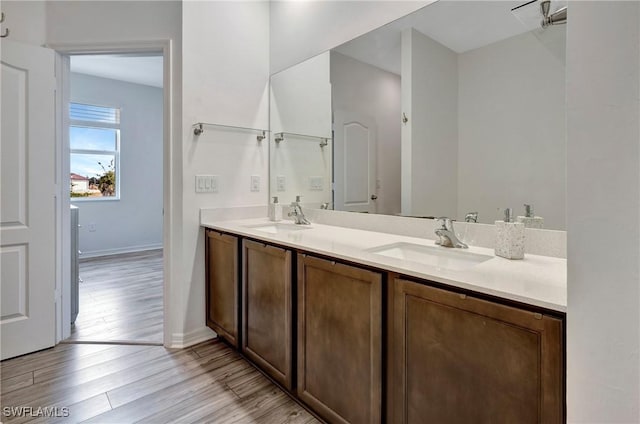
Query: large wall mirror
{"points": [[456, 108]]}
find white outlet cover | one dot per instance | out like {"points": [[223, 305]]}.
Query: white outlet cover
{"points": [[316, 183], [214, 183], [281, 183], [255, 183]]}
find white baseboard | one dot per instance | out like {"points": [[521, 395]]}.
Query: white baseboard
{"points": [[199, 335], [120, 250]]}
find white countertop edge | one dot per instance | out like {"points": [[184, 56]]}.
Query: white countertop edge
{"points": [[468, 279]]}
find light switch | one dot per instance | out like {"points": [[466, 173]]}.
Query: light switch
{"points": [[255, 183], [281, 183], [206, 183]]}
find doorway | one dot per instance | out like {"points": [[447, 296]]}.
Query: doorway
{"points": [[115, 139]]}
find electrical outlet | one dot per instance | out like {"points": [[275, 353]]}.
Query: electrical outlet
{"points": [[255, 183], [281, 183], [92, 227], [316, 183], [378, 184]]}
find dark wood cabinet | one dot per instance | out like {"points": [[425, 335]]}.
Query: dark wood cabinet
{"points": [[266, 311], [222, 285], [316, 327], [339, 340], [460, 359]]}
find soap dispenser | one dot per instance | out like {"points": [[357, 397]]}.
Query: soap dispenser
{"points": [[529, 219], [509, 237], [275, 210]]}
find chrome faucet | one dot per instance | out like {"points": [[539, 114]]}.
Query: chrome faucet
{"points": [[297, 214], [471, 217], [447, 235]]}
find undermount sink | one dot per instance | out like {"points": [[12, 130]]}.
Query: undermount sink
{"points": [[436, 256], [278, 228]]}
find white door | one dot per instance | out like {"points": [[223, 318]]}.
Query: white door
{"points": [[355, 162], [27, 196]]}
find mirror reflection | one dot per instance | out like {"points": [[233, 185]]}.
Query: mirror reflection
{"points": [[455, 110]]}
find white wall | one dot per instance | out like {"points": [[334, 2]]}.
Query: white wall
{"points": [[298, 160], [430, 137], [301, 103], [603, 212], [134, 222], [365, 89], [301, 98], [302, 29], [25, 21], [511, 116], [226, 76]]}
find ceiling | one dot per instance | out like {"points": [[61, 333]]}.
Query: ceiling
{"points": [[459, 25], [137, 69]]}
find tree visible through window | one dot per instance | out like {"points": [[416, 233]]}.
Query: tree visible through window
{"points": [[94, 137]]}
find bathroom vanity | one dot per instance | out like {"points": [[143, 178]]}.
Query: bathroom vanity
{"points": [[361, 328]]}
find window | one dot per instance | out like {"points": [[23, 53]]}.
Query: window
{"points": [[94, 137]]}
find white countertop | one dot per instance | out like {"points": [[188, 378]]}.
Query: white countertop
{"points": [[535, 280]]}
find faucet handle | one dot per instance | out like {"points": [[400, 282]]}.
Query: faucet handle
{"points": [[471, 217], [444, 223]]}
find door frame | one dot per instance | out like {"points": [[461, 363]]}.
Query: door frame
{"points": [[63, 233]]}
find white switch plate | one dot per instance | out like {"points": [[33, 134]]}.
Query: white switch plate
{"points": [[206, 183], [316, 183], [281, 183], [214, 183], [92, 227], [255, 183]]}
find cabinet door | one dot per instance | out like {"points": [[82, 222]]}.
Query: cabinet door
{"points": [[459, 359], [339, 340], [222, 285], [266, 312]]}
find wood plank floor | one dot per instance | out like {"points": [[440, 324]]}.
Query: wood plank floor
{"points": [[206, 383], [121, 298]]}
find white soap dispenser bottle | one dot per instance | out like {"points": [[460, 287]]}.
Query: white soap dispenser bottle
{"points": [[530, 220], [509, 237], [275, 210]]}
